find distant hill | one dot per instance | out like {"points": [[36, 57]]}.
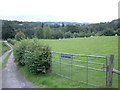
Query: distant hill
{"points": [[66, 23], [116, 20]]}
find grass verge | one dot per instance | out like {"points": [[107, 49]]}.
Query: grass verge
{"points": [[3, 48], [51, 80], [6, 60]]}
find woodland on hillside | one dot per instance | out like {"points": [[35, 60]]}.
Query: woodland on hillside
{"points": [[43, 30]]}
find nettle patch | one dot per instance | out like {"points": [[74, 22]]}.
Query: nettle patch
{"points": [[34, 55]]}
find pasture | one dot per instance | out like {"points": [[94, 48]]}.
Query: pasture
{"points": [[99, 46]]}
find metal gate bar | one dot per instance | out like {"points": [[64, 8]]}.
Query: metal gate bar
{"points": [[68, 56]]}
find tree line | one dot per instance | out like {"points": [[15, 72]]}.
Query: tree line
{"points": [[44, 30]]}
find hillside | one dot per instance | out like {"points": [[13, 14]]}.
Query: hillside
{"points": [[56, 30]]}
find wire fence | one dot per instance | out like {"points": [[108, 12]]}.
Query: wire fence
{"points": [[88, 69]]}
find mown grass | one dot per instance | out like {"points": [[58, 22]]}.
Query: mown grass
{"points": [[100, 46]]}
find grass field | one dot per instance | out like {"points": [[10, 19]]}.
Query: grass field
{"points": [[100, 46]]}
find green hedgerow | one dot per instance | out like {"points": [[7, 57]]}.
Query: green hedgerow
{"points": [[34, 54], [19, 52]]}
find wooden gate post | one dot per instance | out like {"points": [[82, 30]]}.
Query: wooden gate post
{"points": [[109, 70], [51, 63]]}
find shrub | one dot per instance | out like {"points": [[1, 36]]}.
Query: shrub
{"points": [[34, 54], [19, 52], [20, 36]]}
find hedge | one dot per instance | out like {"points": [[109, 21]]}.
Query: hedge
{"points": [[34, 55]]}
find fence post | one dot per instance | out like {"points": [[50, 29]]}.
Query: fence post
{"points": [[109, 70]]}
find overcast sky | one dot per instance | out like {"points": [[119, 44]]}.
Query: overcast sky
{"points": [[93, 11]]}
